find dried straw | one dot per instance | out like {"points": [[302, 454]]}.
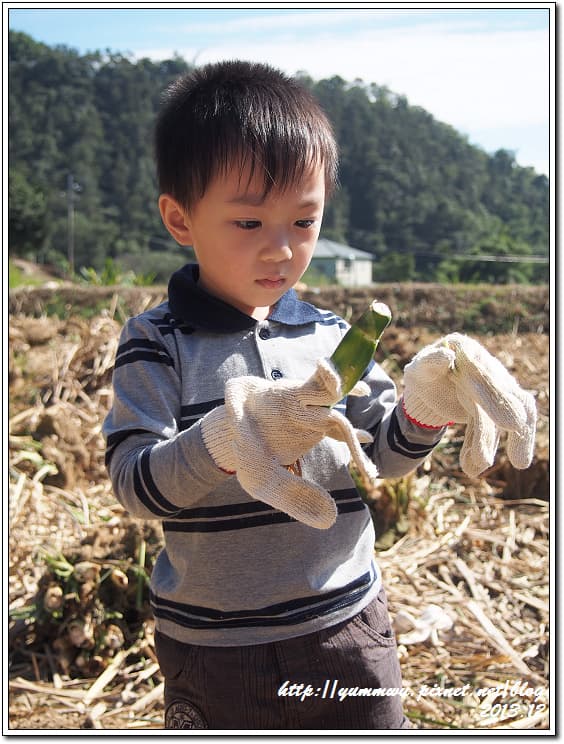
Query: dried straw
{"points": [[479, 554]]}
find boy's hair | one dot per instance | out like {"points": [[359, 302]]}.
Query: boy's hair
{"points": [[235, 113]]}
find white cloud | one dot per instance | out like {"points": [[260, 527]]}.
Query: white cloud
{"points": [[498, 78], [472, 79]]}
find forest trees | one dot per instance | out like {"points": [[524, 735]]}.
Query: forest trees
{"points": [[424, 200], [413, 191]]}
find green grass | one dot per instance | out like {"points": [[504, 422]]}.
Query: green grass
{"points": [[17, 278]]}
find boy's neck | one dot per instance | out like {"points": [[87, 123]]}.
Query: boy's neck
{"points": [[261, 313]]}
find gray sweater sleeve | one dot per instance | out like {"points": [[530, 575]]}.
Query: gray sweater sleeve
{"points": [[399, 445], [155, 468]]}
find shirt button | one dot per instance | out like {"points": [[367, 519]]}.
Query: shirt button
{"points": [[264, 333], [276, 374]]}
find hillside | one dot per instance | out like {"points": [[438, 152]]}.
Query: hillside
{"points": [[413, 191]]}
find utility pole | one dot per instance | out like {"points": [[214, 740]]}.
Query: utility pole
{"points": [[72, 188]]}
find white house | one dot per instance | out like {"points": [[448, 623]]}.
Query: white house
{"points": [[342, 264]]}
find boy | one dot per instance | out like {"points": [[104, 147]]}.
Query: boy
{"points": [[266, 594]]}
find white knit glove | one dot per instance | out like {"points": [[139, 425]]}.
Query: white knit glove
{"points": [[456, 380], [265, 427]]}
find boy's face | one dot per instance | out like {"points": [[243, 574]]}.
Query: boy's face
{"points": [[250, 250]]}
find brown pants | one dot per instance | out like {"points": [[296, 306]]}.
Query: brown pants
{"points": [[323, 680]]}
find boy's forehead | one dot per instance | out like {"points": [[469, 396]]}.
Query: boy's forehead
{"points": [[247, 186]]}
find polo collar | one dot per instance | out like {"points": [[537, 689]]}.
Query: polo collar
{"points": [[201, 310]]}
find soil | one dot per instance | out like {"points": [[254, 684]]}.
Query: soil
{"points": [[61, 503]]}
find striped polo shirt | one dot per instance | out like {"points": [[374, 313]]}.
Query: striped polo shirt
{"points": [[233, 570]]}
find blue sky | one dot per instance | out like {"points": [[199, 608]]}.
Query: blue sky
{"points": [[483, 69]]}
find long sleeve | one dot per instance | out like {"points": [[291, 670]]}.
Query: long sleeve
{"points": [[156, 468], [399, 445]]}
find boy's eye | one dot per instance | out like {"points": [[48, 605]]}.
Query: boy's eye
{"points": [[247, 224], [305, 223]]}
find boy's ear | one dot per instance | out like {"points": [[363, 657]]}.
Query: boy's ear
{"points": [[175, 219]]}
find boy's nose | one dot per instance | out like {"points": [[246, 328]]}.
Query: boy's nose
{"points": [[278, 247]]}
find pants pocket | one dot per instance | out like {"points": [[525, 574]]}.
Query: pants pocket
{"points": [[375, 622], [176, 659]]}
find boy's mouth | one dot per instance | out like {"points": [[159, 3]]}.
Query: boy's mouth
{"points": [[272, 282]]}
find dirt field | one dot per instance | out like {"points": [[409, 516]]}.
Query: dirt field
{"points": [[81, 651]]}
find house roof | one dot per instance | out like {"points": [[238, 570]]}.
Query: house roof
{"points": [[329, 249]]}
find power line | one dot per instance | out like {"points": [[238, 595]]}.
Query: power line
{"points": [[501, 259], [478, 257]]}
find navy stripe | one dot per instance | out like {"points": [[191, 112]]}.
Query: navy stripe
{"points": [[244, 516], [141, 349], [169, 324], [229, 510], [192, 413], [284, 613], [142, 356], [346, 494], [278, 608], [398, 443], [354, 507], [140, 343], [250, 507], [226, 525], [143, 495], [197, 410], [117, 437], [140, 346], [146, 489], [150, 484]]}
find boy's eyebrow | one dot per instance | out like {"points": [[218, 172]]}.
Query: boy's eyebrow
{"points": [[255, 200], [251, 200]]}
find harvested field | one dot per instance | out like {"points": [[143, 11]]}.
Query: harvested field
{"points": [[466, 561]]}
